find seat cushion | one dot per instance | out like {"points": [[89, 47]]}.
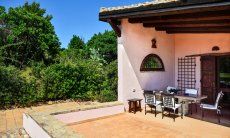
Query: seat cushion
{"points": [[155, 104], [174, 108], [208, 106], [177, 106], [158, 102]]}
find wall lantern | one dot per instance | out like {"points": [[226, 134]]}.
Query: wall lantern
{"points": [[215, 48], [154, 43]]}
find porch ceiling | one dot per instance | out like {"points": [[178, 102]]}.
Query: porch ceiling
{"points": [[217, 21]]}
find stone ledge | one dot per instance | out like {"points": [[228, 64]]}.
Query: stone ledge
{"points": [[56, 128], [88, 107]]}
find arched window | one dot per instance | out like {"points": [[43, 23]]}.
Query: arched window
{"points": [[152, 62]]}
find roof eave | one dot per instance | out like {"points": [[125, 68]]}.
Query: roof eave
{"points": [[163, 9]]}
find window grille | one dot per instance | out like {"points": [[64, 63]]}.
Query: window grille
{"points": [[186, 73], [152, 62]]}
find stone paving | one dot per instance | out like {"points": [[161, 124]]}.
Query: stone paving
{"points": [[11, 120]]}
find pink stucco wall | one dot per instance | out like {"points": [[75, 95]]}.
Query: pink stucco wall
{"points": [[189, 44], [133, 46], [135, 43]]}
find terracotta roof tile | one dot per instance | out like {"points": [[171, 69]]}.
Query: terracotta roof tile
{"points": [[148, 3]]}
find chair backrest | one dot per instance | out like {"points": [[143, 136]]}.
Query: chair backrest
{"points": [[168, 100], [219, 97], [191, 91], [150, 98], [170, 88]]}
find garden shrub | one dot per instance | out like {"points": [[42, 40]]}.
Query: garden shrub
{"points": [[109, 93], [37, 67], [70, 78], [112, 76], [75, 81], [14, 88], [33, 67], [82, 80], [106, 96]]}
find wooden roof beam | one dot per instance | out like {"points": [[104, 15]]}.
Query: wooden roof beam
{"points": [[194, 29], [188, 19], [188, 25], [114, 25], [224, 21], [213, 15], [191, 28]]}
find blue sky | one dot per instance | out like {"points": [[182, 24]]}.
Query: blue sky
{"points": [[71, 17]]}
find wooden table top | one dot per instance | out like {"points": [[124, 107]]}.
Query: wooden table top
{"points": [[134, 99], [186, 96], [191, 97]]}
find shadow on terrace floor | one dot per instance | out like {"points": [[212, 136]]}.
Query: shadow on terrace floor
{"points": [[141, 125], [210, 116]]}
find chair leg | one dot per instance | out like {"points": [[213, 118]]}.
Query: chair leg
{"points": [[191, 107], [182, 112], [155, 111], [202, 113], [162, 113], [145, 109], [174, 115], [218, 115], [196, 107], [135, 107], [129, 106]]}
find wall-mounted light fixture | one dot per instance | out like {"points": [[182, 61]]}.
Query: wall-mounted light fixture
{"points": [[154, 43], [215, 48]]}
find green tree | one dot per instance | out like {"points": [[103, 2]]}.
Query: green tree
{"points": [[30, 25], [2, 25], [76, 43], [76, 50], [4, 32], [106, 45]]}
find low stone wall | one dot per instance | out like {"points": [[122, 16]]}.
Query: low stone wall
{"points": [[52, 123], [79, 116], [32, 128]]}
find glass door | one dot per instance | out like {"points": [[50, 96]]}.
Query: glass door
{"points": [[224, 77]]}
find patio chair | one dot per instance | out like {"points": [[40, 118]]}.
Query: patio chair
{"points": [[170, 104], [216, 107], [152, 102], [192, 92]]}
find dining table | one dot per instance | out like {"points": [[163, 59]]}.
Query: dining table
{"points": [[182, 97], [190, 97]]}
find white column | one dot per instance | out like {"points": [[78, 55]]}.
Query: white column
{"points": [[120, 67]]}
